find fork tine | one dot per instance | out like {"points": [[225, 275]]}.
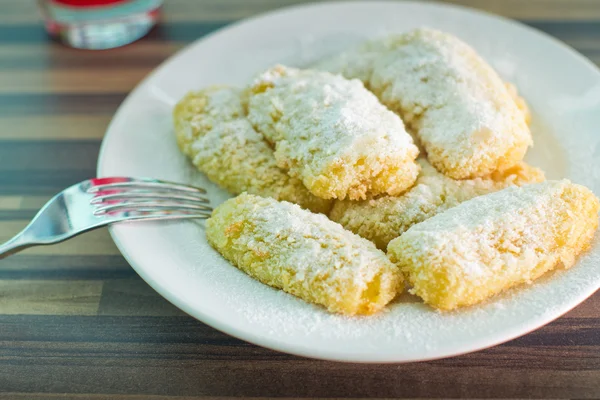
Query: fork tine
{"points": [[141, 184], [150, 206], [134, 195], [163, 215]]}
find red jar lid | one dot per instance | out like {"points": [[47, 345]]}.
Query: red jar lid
{"points": [[88, 3]]}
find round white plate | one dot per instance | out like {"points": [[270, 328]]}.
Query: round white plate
{"points": [[562, 87]]}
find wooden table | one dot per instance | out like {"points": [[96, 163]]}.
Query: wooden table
{"points": [[76, 322]]}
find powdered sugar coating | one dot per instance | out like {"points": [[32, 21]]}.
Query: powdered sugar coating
{"points": [[212, 131], [385, 218], [332, 133], [460, 109], [357, 62], [490, 243], [304, 254]]}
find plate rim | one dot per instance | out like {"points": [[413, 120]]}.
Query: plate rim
{"points": [[294, 349]]}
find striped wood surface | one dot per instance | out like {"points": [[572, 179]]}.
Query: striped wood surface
{"points": [[76, 322]]}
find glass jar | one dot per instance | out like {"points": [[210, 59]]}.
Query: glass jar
{"points": [[99, 24]]}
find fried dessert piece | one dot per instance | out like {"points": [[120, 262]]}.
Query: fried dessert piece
{"points": [[454, 102], [385, 218], [493, 242], [197, 113], [358, 63], [304, 254], [212, 131], [332, 133]]}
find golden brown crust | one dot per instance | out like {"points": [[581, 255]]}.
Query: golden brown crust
{"points": [[462, 112], [212, 131], [493, 242], [385, 218], [304, 254], [469, 122], [332, 133]]}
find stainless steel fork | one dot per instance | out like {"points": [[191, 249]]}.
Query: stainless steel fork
{"points": [[102, 201]]}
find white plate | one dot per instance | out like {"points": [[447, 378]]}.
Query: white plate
{"points": [[562, 87]]}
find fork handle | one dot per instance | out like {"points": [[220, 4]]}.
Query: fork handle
{"points": [[14, 245]]}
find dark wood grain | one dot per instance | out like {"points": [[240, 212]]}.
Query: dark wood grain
{"points": [[76, 322], [165, 355]]}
